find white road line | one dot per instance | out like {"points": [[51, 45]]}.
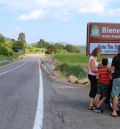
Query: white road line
{"points": [[40, 109], [12, 69]]}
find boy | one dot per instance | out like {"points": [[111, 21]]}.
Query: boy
{"points": [[104, 78]]}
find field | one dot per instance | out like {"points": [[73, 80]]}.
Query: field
{"points": [[72, 58], [72, 64], [33, 50]]}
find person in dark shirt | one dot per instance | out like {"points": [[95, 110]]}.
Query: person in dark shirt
{"points": [[116, 81]]}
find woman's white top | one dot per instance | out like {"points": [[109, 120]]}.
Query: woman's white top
{"points": [[96, 65]]}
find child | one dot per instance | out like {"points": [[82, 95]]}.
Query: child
{"points": [[104, 78]]}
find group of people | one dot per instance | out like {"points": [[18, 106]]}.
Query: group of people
{"points": [[100, 80]]}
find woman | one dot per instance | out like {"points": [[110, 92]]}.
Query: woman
{"points": [[92, 71]]}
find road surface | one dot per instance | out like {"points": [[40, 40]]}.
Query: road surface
{"points": [[23, 104]]}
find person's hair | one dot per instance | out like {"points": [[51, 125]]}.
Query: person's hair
{"points": [[119, 49], [104, 61], [96, 51]]}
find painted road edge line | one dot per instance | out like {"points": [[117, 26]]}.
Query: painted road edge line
{"points": [[40, 109], [12, 69]]}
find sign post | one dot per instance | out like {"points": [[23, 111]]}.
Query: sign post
{"points": [[106, 36]]}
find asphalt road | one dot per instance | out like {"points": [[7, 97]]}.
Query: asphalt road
{"points": [[19, 94], [65, 106]]}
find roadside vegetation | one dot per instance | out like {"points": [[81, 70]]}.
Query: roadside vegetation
{"points": [[71, 60], [72, 64], [29, 49], [9, 48], [68, 69]]}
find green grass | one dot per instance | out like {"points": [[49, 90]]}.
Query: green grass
{"points": [[72, 58], [75, 70], [74, 63], [4, 60], [33, 50], [7, 59], [2, 57], [75, 58]]}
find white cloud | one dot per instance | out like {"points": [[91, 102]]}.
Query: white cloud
{"points": [[114, 12], [34, 15], [55, 7], [93, 6]]}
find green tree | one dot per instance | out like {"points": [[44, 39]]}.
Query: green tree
{"points": [[2, 40], [21, 41], [59, 47], [51, 49], [15, 45], [9, 43], [41, 43], [72, 48]]}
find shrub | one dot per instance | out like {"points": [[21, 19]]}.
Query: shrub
{"points": [[10, 53], [37, 50], [5, 51], [75, 70], [72, 48], [31, 50]]}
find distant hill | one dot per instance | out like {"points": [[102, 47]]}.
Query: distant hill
{"points": [[6, 38], [81, 47], [63, 43], [1, 35]]}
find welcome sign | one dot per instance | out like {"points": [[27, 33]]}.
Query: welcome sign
{"points": [[106, 36]]}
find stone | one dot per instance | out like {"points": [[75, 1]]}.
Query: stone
{"points": [[72, 79], [84, 81]]}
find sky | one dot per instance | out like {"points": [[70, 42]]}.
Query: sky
{"points": [[55, 20]]}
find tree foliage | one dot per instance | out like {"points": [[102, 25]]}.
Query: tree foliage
{"points": [[2, 40], [41, 44], [9, 44], [51, 49], [59, 47], [5, 51], [56, 47], [72, 48], [21, 41], [15, 46]]}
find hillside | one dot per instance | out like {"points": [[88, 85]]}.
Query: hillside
{"points": [[6, 38]]}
